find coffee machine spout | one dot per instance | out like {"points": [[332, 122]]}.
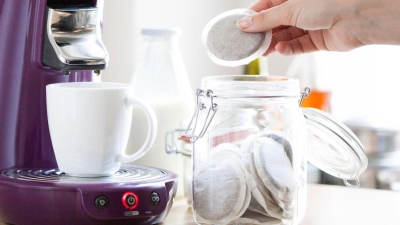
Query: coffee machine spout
{"points": [[72, 40]]}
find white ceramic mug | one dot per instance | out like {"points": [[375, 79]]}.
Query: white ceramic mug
{"points": [[89, 126]]}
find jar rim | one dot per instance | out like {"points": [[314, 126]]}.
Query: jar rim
{"points": [[251, 85]]}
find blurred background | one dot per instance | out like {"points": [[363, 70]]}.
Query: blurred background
{"points": [[360, 88]]}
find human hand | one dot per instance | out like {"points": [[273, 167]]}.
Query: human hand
{"points": [[301, 26]]}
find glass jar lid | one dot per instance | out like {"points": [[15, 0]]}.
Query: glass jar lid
{"points": [[333, 147], [248, 86]]}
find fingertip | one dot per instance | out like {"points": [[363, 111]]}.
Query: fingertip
{"points": [[264, 20], [303, 44], [284, 48], [244, 23], [269, 51], [255, 23]]}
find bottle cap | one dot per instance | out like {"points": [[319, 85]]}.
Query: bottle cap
{"points": [[161, 31]]}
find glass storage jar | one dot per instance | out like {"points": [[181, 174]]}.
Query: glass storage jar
{"points": [[251, 143]]}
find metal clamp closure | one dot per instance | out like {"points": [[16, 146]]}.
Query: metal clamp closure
{"points": [[213, 108], [304, 94], [356, 185]]}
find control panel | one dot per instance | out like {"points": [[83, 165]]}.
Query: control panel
{"points": [[123, 203]]}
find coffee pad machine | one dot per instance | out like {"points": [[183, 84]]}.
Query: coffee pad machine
{"points": [[53, 41]]}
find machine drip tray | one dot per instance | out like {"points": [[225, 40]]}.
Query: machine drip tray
{"points": [[125, 174]]}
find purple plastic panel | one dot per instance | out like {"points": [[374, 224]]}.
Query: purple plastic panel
{"points": [[24, 134], [37, 203]]}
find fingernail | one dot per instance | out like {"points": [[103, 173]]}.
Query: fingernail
{"points": [[245, 22]]}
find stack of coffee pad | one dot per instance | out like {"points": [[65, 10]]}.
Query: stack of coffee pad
{"points": [[252, 183]]}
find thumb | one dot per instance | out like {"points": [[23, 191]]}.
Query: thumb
{"points": [[268, 19]]}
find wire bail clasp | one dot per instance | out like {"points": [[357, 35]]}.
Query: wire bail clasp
{"points": [[304, 94], [213, 108], [356, 185]]}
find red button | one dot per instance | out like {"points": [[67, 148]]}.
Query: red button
{"points": [[130, 200]]}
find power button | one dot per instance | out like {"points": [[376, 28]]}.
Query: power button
{"points": [[130, 200]]}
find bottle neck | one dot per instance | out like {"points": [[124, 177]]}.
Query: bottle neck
{"points": [[161, 66], [161, 44], [170, 39]]}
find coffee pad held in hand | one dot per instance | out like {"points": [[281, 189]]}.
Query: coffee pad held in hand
{"points": [[228, 45]]}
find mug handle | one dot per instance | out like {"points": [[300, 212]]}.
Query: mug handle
{"points": [[151, 133]]}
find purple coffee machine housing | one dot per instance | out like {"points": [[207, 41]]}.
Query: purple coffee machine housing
{"points": [[53, 41]]}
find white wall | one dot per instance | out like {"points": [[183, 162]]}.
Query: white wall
{"points": [[124, 18], [365, 82], [119, 31]]}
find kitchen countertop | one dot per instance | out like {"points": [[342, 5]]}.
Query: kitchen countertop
{"points": [[327, 205]]}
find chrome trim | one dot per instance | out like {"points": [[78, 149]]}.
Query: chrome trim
{"points": [[75, 36]]}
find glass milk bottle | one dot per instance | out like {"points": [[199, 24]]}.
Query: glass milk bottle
{"points": [[251, 143], [160, 79]]}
